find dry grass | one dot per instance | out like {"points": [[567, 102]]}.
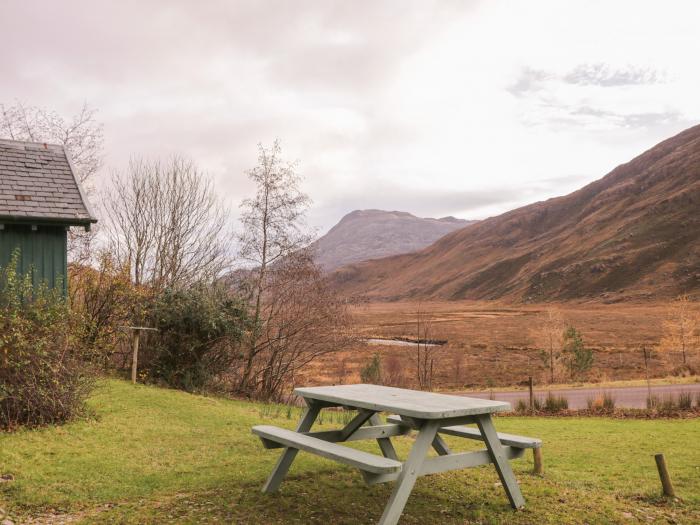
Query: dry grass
{"points": [[491, 344]]}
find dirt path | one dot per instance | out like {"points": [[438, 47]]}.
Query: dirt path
{"points": [[625, 397]]}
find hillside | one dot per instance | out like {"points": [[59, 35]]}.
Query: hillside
{"points": [[632, 234], [371, 234]]}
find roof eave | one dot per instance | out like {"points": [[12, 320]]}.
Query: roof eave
{"points": [[83, 197], [50, 221]]}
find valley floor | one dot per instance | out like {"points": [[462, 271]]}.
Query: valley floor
{"points": [[150, 455], [492, 345]]}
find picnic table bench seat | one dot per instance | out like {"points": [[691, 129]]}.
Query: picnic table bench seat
{"points": [[349, 456], [510, 440]]}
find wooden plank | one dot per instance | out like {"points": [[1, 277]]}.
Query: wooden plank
{"points": [[385, 444], [500, 461], [449, 462], [510, 440], [409, 473], [285, 460], [411, 403], [335, 436], [446, 422], [440, 446], [360, 419], [349, 456]]}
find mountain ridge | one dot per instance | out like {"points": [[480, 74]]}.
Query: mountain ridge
{"points": [[369, 234], [632, 234]]}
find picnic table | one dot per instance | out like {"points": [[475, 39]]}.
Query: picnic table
{"points": [[428, 413]]}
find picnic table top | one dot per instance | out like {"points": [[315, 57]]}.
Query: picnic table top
{"points": [[401, 401]]}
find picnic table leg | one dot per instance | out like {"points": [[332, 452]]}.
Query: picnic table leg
{"points": [[500, 461], [409, 473], [385, 444], [440, 446], [288, 454]]}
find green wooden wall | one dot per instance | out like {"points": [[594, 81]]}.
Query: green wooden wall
{"points": [[43, 250]]}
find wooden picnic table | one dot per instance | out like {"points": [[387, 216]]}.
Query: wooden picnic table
{"points": [[429, 413]]}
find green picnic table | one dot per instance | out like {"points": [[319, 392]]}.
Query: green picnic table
{"points": [[428, 413]]}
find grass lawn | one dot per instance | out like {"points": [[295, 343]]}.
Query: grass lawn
{"points": [[150, 455]]}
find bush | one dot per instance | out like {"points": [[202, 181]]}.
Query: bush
{"points": [[608, 401], [602, 402], [554, 403], [521, 406], [45, 374], [199, 332], [372, 372], [653, 401], [685, 400], [576, 356], [537, 404]]}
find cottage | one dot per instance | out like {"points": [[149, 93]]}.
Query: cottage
{"points": [[40, 199]]}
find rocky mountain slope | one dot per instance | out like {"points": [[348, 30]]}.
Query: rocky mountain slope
{"points": [[633, 234], [371, 234]]}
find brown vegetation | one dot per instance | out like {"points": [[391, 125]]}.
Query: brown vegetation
{"points": [[493, 343]]}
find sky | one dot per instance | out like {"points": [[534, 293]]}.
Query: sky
{"points": [[463, 108]]}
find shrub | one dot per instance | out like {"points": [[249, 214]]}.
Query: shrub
{"points": [[105, 300], [554, 403], [372, 372], [608, 401], [199, 331], [653, 401], [685, 400], [668, 403], [576, 356], [521, 406], [602, 402], [45, 374], [537, 403]]}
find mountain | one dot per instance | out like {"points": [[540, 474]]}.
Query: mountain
{"points": [[633, 234], [370, 234]]}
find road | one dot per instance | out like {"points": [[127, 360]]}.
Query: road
{"points": [[625, 397]]}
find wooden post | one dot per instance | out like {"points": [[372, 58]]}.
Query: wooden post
{"points": [[135, 359], [665, 477], [532, 397], [539, 464]]}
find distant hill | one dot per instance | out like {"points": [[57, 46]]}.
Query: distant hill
{"points": [[633, 234], [370, 234]]}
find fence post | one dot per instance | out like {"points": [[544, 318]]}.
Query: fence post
{"points": [[539, 464], [135, 358], [532, 397], [665, 477]]}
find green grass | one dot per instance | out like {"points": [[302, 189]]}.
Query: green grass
{"points": [[151, 455]]}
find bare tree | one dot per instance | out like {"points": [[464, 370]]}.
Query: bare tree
{"points": [[166, 224], [680, 328], [301, 319], [273, 228], [82, 136], [549, 337], [425, 349]]}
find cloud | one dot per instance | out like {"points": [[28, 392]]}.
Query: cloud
{"points": [[601, 74], [436, 107], [592, 96], [529, 80]]}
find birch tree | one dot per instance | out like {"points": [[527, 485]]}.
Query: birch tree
{"points": [[273, 227]]}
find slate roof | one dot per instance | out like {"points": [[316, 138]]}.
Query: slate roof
{"points": [[37, 184]]}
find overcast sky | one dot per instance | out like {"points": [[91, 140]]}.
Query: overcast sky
{"points": [[436, 108]]}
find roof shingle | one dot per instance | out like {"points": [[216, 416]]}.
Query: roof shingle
{"points": [[37, 181]]}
